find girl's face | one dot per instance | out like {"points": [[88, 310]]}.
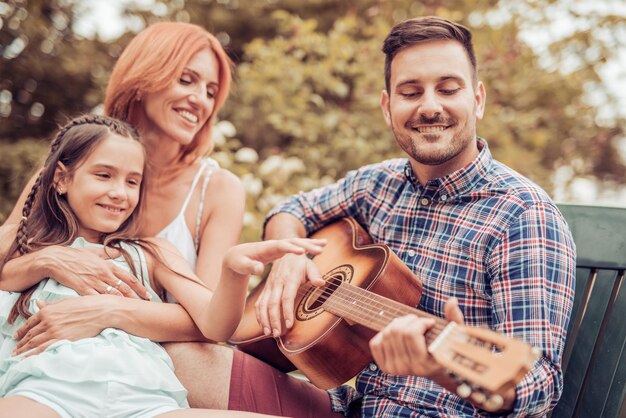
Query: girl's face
{"points": [[179, 111], [104, 189]]}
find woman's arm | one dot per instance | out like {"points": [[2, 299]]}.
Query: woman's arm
{"points": [[83, 269], [223, 220], [84, 317]]}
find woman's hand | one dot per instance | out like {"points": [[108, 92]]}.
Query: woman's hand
{"points": [[87, 272], [67, 319]]}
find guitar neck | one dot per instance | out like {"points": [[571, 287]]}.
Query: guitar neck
{"points": [[372, 310]]}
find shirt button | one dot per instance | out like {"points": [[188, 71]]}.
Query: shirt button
{"points": [[443, 198], [424, 201], [412, 253], [373, 367]]}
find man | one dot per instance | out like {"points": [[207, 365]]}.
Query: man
{"points": [[489, 246]]}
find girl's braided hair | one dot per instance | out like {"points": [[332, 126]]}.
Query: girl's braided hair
{"points": [[47, 218]]}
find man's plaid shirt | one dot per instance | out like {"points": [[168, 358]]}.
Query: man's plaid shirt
{"points": [[483, 234]]}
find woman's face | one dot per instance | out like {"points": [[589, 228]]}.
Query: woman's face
{"points": [[179, 111]]}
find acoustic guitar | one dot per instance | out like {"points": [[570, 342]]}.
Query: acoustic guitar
{"points": [[367, 286]]}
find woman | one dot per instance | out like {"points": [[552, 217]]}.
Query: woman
{"points": [[169, 83]]}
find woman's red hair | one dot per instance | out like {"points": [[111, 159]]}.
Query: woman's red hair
{"points": [[153, 61]]}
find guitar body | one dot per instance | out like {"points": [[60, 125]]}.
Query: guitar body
{"points": [[326, 348]]}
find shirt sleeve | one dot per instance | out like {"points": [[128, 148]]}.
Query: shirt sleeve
{"points": [[533, 271], [319, 207]]}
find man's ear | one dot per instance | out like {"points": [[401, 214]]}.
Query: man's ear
{"points": [[61, 178], [481, 99], [384, 106]]}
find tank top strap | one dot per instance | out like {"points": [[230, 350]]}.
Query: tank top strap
{"points": [[193, 186], [212, 165]]}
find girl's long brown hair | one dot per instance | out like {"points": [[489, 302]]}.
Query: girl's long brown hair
{"points": [[47, 218]]}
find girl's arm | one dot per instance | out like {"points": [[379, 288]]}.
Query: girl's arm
{"points": [[218, 313], [222, 226]]}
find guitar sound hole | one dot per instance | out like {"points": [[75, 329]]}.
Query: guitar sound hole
{"points": [[321, 294], [312, 304]]}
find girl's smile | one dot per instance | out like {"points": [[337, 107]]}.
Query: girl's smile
{"points": [[104, 189]]}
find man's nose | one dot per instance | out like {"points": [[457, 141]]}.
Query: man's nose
{"points": [[430, 105]]}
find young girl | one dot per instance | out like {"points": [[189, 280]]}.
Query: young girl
{"points": [[89, 194]]}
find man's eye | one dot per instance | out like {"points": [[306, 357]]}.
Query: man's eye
{"points": [[449, 92]]}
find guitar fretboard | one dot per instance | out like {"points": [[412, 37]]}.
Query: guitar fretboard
{"points": [[372, 310]]}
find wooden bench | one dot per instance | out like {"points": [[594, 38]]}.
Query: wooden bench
{"points": [[594, 361]]}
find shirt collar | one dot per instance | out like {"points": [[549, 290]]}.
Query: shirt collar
{"points": [[462, 180]]}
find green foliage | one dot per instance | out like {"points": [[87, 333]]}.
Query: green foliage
{"points": [[305, 106], [47, 74], [18, 162], [310, 101]]}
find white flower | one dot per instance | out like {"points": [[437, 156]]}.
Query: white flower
{"points": [[246, 155], [226, 128], [252, 185]]}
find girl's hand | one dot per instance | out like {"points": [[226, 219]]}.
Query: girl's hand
{"points": [[87, 272], [250, 258], [67, 319]]}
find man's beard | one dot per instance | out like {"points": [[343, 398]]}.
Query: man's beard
{"points": [[452, 148]]}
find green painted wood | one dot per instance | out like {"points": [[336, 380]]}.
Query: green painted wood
{"points": [[599, 233], [585, 342], [604, 386], [594, 360], [583, 286]]}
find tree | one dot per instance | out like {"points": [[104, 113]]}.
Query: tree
{"points": [[47, 73], [304, 108], [311, 97]]}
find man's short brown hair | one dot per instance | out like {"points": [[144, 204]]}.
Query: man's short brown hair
{"points": [[424, 29]]}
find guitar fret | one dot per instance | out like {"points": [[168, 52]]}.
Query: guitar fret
{"points": [[372, 310]]}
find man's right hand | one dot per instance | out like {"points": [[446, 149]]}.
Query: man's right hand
{"points": [[87, 271], [275, 305]]}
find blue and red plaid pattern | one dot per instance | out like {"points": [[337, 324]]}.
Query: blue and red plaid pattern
{"points": [[483, 234]]}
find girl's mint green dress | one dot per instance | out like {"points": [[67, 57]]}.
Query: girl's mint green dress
{"points": [[112, 357]]}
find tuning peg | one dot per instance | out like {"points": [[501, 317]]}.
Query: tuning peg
{"points": [[494, 403], [464, 391]]}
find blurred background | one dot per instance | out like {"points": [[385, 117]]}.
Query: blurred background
{"points": [[304, 109]]}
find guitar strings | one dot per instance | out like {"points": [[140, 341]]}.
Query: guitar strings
{"points": [[379, 310], [376, 311], [365, 305]]}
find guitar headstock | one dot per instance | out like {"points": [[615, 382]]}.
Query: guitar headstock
{"points": [[485, 364]]}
